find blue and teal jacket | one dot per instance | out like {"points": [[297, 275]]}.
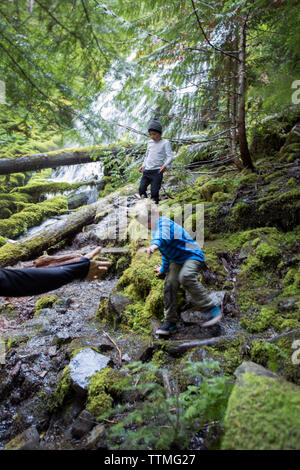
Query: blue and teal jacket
{"points": [[175, 244]]}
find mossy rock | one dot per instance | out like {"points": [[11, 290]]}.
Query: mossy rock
{"points": [[62, 390], [263, 413], [44, 302], [291, 149], [32, 215], [103, 388]]}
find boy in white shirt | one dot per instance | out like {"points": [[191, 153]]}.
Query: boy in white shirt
{"points": [[158, 157]]}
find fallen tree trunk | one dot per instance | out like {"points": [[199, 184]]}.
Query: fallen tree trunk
{"points": [[180, 347], [54, 159], [28, 249]]}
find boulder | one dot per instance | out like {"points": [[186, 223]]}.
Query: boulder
{"points": [[85, 364], [29, 438], [263, 412]]}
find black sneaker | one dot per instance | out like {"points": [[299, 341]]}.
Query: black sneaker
{"points": [[166, 328]]}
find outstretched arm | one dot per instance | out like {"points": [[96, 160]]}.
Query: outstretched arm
{"points": [[33, 281]]}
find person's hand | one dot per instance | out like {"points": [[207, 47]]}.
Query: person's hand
{"points": [[162, 168], [141, 169], [97, 268], [148, 250], [157, 269]]}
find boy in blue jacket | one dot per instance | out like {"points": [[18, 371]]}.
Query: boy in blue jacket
{"points": [[182, 261]]}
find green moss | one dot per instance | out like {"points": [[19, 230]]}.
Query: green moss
{"points": [[36, 190], [276, 174], [263, 414], [291, 282], [140, 275], [230, 354], [44, 302], [249, 179], [3, 240], [32, 215], [62, 389], [291, 183], [220, 196], [267, 354], [103, 386], [161, 358], [109, 188], [141, 284], [259, 321]]}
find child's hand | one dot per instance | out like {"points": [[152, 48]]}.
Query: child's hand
{"points": [[157, 269], [162, 168], [148, 250], [158, 273], [141, 169]]}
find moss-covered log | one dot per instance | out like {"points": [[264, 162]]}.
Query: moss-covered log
{"points": [[11, 253], [55, 158]]}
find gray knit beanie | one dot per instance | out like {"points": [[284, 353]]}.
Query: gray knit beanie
{"points": [[155, 125]]}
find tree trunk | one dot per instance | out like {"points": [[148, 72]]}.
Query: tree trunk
{"points": [[243, 144], [181, 347], [11, 253], [53, 159]]}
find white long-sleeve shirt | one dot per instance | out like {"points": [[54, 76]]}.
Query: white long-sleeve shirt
{"points": [[158, 154]]}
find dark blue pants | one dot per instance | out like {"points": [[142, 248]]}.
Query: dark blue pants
{"points": [[154, 178]]}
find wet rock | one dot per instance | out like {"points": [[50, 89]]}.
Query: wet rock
{"points": [[83, 365], [29, 437], [52, 351], [6, 383], [126, 358], [71, 412], [95, 438], [113, 307], [253, 368], [62, 337], [287, 304], [82, 424], [32, 412], [77, 200], [145, 353], [118, 304]]}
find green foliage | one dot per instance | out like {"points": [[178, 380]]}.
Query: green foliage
{"points": [[168, 421]]}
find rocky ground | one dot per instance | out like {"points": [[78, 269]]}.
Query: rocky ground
{"points": [[251, 248]]}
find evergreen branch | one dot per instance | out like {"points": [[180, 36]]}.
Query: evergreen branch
{"points": [[92, 30], [72, 33], [206, 38]]}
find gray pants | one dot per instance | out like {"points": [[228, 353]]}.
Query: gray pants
{"points": [[187, 275]]}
